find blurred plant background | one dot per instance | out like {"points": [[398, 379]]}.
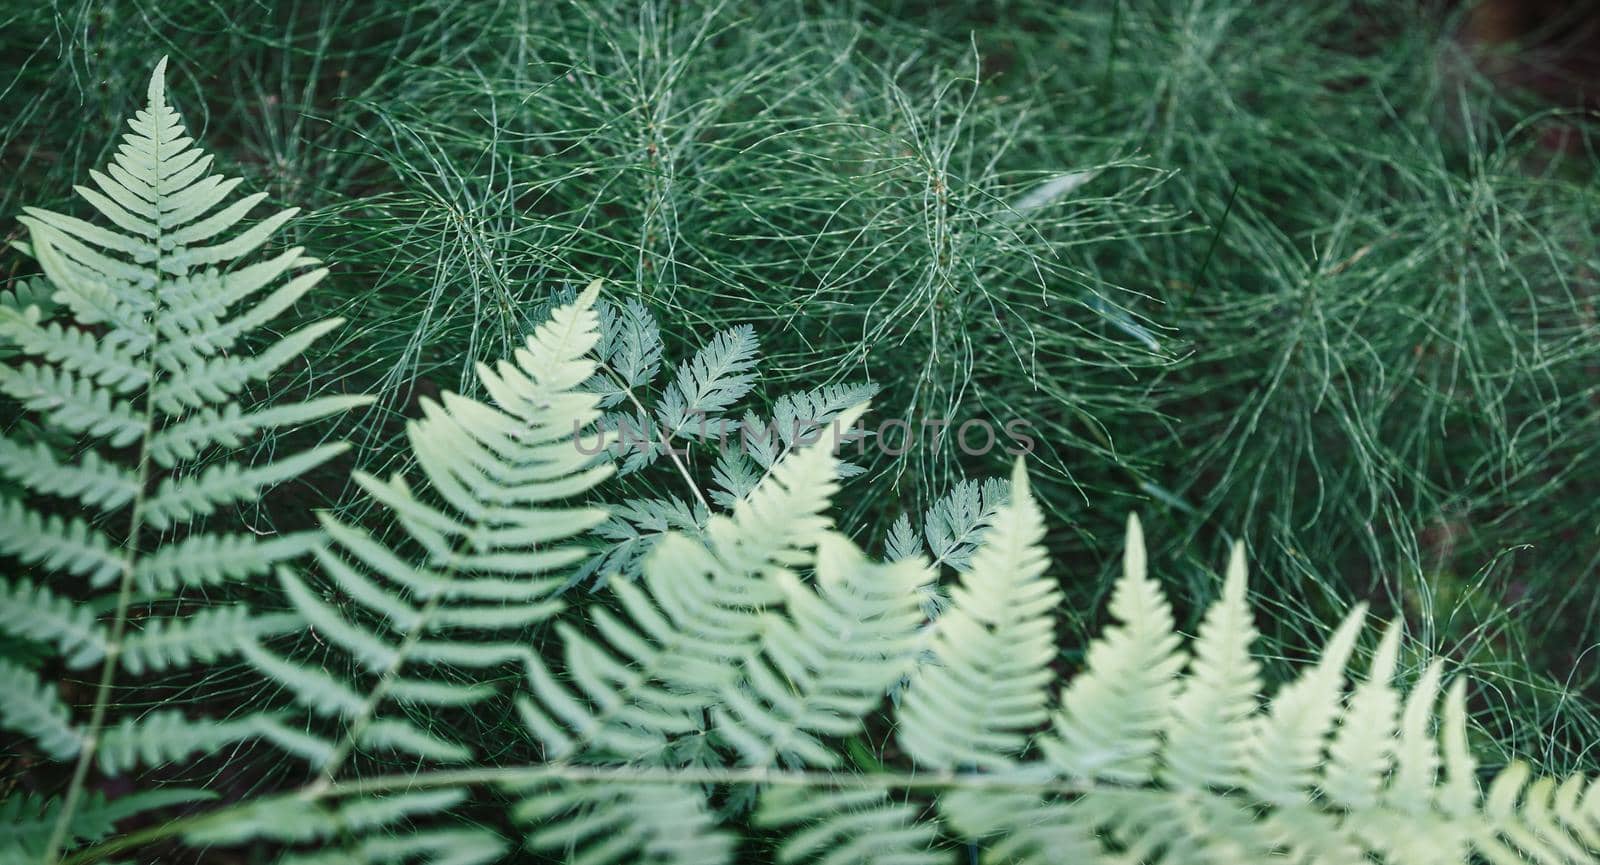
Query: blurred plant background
{"points": [[1320, 275]]}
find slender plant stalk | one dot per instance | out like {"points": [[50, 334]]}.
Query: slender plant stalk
{"points": [[522, 776]]}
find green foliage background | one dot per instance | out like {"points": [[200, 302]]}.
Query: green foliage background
{"points": [[1316, 281]]}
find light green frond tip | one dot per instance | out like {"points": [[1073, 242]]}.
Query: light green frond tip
{"points": [[158, 83]]}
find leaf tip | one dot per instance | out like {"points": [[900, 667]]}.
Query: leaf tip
{"points": [[158, 82]]}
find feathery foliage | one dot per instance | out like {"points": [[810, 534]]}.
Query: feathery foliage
{"points": [[730, 673], [486, 557], [694, 413], [134, 356]]}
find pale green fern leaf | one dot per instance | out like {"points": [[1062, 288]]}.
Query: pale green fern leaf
{"points": [[953, 527], [734, 477], [372, 829], [1320, 773], [1362, 749], [632, 530], [1112, 714], [1209, 722], [1024, 829], [34, 709], [467, 846], [114, 362], [208, 558], [973, 703], [1285, 750], [209, 634], [426, 626], [26, 293], [180, 499], [798, 418], [630, 349], [719, 375], [231, 426], [27, 821], [57, 544], [93, 480], [166, 736], [110, 362], [35, 613]]}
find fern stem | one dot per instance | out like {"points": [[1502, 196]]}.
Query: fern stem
{"points": [[108, 668], [733, 777], [665, 445], [119, 620], [352, 733], [517, 776]]}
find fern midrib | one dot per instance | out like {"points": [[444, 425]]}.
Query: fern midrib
{"points": [[369, 708], [119, 622], [529, 774], [683, 470]]}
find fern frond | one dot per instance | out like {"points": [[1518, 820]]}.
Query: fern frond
{"points": [[1112, 714], [74, 404], [719, 375], [230, 426], [985, 686], [464, 846], [423, 627], [1286, 747], [28, 293], [93, 480], [796, 419], [180, 499], [1024, 829], [166, 737], [630, 347], [206, 558], [110, 362], [58, 544], [1194, 767], [142, 366], [204, 637], [1362, 749], [35, 613], [34, 709], [1209, 720], [844, 827], [207, 381], [27, 821], [735, 476], [372, 829], [632, 530]]}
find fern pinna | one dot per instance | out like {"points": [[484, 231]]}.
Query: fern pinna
{"points": [[130, 362]]}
